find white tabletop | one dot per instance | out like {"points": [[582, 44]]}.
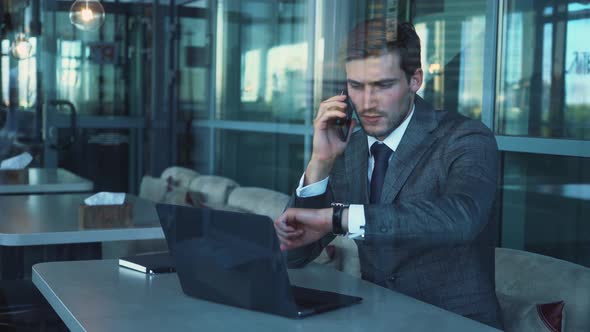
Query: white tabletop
{"points": [[101, 296], [48, 180], [53, 219]]}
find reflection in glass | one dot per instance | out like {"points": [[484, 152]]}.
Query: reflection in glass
{"points": [[5, 70], [286, 69], [273, 161], [103, 73], [262, 61], [87, 15], [452, 40], [19, 76], [68, 68], [195, 62], [546, 205], [21, 47], [544, 72], [251, 88], [577, 79]]}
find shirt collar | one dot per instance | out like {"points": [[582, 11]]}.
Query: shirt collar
{"points": [[392, 141]]}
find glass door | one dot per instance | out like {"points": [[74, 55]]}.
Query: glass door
{"points": [[97, 92]]}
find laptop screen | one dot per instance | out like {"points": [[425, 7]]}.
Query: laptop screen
{"points": [[228, 257]]}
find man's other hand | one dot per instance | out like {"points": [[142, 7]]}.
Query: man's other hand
{"points": [[299, 227]]}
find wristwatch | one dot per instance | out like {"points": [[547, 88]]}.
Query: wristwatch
{"points": [[337, 209]]}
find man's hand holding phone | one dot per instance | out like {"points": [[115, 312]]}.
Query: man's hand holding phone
{"points": [[343, 125], [332, 129]]}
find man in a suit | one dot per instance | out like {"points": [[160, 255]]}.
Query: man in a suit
{"points": [[414, 188]]}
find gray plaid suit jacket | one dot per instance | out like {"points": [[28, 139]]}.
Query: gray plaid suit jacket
{"points": [[431, 236]]}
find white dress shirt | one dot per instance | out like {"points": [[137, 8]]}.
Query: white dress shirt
{"points": [[356, 212]]}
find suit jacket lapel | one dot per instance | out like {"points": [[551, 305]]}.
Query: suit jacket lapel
{"points": [[414, 143], [356, 162]]}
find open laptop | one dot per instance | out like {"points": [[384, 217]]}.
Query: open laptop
{"points": [[234, 258]]}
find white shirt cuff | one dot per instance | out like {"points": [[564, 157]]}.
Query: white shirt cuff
{"points": [[356, 221], [314, 189]]}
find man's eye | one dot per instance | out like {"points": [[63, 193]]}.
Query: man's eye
{"points": [[385, 85], [356, 86]]}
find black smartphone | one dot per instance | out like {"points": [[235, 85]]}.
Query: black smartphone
{"points": [[343, 125]]}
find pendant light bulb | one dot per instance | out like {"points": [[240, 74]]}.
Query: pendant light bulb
{"points": [[21, 47], [87, 15]]}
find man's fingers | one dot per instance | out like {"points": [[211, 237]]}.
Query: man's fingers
{"points": [[333, 105], [330, 106], [288, 234], [332, 114], [284, 229], [283, 226], [307, 225], [333, 98], [286, 218]]}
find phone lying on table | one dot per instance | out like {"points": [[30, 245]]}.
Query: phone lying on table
{"points": [[343, 125]]}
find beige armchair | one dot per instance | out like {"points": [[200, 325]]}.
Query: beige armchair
{"points": [[523, 279], [527, 278], [182, 186], [153, 188], [179, 176], [214, 190], [258, 200]]}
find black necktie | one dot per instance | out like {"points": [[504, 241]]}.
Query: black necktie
{"points": [[381, 154]]}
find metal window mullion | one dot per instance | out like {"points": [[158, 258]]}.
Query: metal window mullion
{"points": [[260, 127], [549, 146], [172, 43], [311, 16], [102, 122], [156, 112], [48, 58], [490, 63], [212, 35]]}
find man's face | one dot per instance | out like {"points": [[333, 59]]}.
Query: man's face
{"points": [[381, 93]]}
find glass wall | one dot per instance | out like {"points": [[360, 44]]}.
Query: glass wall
{"points": [[276, 61], [260, 159], [453, 37], [263, 68], [259, 90], [231, 88], [19, 85], [19, 76], [104, 77], [273, 62], [91, 67], [544, 72], [542, 82], [546, 205], [194, 52]]}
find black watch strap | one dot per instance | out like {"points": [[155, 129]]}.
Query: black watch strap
{"points": [[337, 209]]}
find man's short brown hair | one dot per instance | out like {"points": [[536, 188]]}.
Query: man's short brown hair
{"points": [[368, 39]]}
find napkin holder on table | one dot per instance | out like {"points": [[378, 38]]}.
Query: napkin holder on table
{"points": [[14, 176], [106, 216]]}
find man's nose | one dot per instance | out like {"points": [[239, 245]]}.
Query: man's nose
{"points": [[369, 98]]}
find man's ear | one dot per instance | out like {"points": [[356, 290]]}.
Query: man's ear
{"points": [[416, 80]]}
